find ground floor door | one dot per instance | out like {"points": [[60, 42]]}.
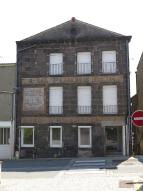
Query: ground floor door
{"points": [[6, 146], [113, 140]]}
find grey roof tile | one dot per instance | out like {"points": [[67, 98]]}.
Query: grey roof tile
{"points": [[73, 29]]}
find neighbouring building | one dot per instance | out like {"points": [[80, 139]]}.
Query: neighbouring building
{"points": [[73, 92], [137, 104], [7, 109]]}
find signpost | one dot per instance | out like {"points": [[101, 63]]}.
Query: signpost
{"points": [[137, 118]]}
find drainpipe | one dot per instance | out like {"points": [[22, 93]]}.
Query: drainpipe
{"points": [[129, 128]]}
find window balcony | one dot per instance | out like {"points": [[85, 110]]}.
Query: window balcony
{"points": [[56, 110], [109, 67], [83, 68], [84, 109], [110, 109], [56, 69]]}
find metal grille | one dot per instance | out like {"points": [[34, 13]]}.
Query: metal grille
{"points": [[84, 109], [109, 67], [4, 136], [56, 110], [110, 109], [83, 68]]}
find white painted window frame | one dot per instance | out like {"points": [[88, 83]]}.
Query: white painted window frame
{"points": [[79, 64], [59, 64], [78, 100], [107, 69], [22, 136], [51, 133], [60, 105], [116, 105], [90, 137]]}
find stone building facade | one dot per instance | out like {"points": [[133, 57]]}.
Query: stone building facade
{"points": [[73, 92]]}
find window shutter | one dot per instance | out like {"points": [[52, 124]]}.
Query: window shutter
{"points": [[109, 61], [84, 57], [84, 99], [56, 100], [110, 99], [56, 58], [56, 96]]}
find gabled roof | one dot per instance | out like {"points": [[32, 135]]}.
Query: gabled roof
{"points": [[74, 29]]}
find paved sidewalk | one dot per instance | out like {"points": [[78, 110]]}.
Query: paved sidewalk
{"points": [[89, 181]]}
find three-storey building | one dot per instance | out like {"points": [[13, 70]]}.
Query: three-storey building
{"points": [[73, 97]]}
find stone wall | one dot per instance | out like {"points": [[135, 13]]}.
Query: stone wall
{"points": [[33, 72]]}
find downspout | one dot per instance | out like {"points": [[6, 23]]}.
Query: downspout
{"points": [[17, 135], [129, 127]]}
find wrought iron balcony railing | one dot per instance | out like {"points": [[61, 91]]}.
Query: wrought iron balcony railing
{"points": [[110, 109], [84, 109], [56, 69], [56, 110], [109, 67], [83, 68]]}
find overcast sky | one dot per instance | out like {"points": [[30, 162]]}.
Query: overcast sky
{"points": [[22, 18]]}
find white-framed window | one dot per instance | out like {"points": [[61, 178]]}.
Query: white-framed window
{"points": [[84, 136], [84, 63], [56, 136], [109, 61], [110, 99], [56, 100], [56, 64], [27, 136], [84, 99]]}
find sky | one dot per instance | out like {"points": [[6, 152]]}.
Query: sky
{"points": [[23, 18]]}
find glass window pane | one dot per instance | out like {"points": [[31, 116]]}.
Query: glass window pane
{"points": [[28, 136], [56, 136], [84, 136]]}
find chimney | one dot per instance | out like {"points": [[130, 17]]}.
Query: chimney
{"points": [[73, 19]]}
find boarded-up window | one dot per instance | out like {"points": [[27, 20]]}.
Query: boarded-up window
{"points": [[33, 99]]}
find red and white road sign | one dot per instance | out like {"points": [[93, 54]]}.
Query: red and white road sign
{"points": [[137, 118]]}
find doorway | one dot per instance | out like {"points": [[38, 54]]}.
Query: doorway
{"points": [[113, 140]]}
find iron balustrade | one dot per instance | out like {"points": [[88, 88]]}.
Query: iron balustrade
{"points": [[83, 68], [56, 69], [56, 110], [84, 109], [110, 109], [109, 67]]}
